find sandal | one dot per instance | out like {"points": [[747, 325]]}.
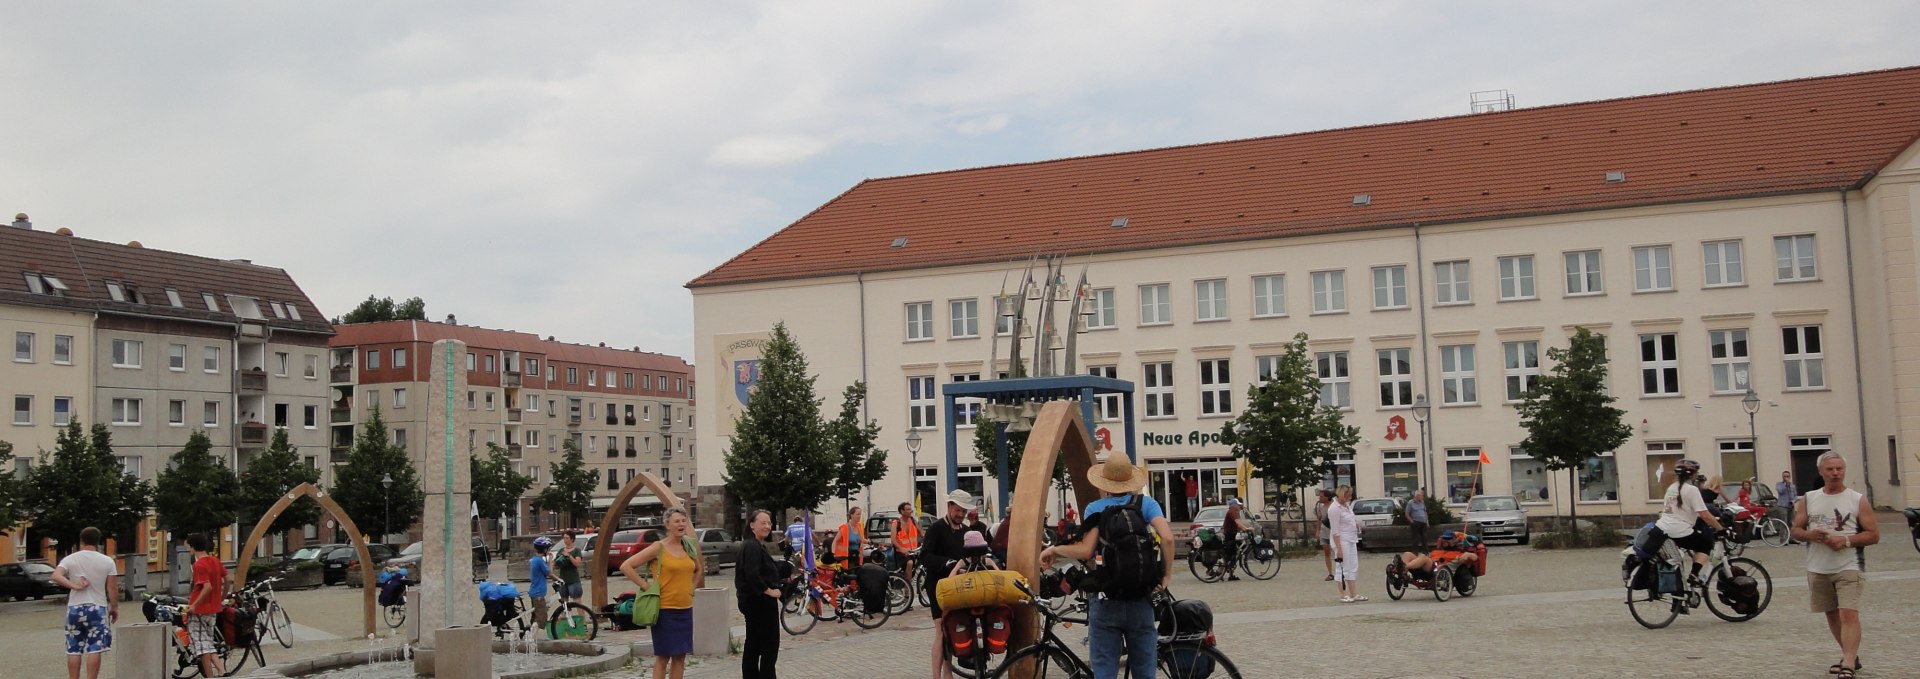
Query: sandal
{"points": [[1837, 668], [1348, 600], [1845, 673], [1358, 599], [1329, 577]]}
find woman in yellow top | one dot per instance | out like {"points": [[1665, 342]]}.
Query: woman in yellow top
{"points": [[676, 559]]}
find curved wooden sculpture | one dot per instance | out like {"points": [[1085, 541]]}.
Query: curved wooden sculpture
{"points": [[611, 522], [368, 592], [1057, 431]]}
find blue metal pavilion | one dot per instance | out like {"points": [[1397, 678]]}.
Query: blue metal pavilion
{"points": [[1013, 391]]}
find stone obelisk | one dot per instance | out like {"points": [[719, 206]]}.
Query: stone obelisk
{"points": [[448, 597]]}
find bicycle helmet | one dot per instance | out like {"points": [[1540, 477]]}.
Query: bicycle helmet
{"points": [[542, 544], [1686, 469]]}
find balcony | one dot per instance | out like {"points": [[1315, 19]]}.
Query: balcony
{"points": [[613, 419], [341, 415], [340, 374], [253, 381], [666, 425], [253, 434], [516, 449], [510, 379], [631, 420], [513, 415], [632, 453], [573, 420]]}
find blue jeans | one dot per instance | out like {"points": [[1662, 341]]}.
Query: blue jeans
{"points": [[1117, 625]]}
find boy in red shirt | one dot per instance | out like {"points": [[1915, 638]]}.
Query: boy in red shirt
{"points": [[203, 606]]}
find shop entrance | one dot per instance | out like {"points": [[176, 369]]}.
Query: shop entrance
{"points": [[1211, 480]]}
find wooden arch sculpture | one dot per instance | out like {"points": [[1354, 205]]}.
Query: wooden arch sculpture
{"points": [[611, 523], [1057, 431], [367, 590]]}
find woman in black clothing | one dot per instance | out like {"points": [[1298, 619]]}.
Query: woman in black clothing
{"points": [[756, 583]]}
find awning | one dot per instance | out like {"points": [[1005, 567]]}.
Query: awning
{"points": [[638, 501]]}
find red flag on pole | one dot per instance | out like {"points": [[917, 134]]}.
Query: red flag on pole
{"points": [[1483, 457]]}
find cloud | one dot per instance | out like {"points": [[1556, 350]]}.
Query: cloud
{"points": [[983, 125], [765, 150]]}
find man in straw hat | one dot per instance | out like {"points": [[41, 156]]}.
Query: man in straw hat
{"points": [[1124, 621], [945, 543]]}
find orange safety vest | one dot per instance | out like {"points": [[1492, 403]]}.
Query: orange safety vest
{"points": [[840, 542], [906, 534]]}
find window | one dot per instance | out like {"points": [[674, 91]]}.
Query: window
{"points": [[1336, 381], [62, 410], [573, 375], [922, 404], [1329, 292], [593, 377], [399, 358], [919, 321], [1583, 273], [964, 317], [278, 311], [1210, 300], [1155, 307], [173, 297], [1452, 282], [1599, 479], [313, 367], [533, 403], [473, 403], [1729, 361], [1106, 407], [1269, 296], [114, 290], [491, 368], [23, 347], [127, 353], [210, 359], [1396, 377], [281, 413], [126, 411], [293, 310], [966, 410], [1264, 368], [1458, 385], [1389, 287], [176, 412], [1806, 365], [1653, 268], [626, 380], [1216, 387], [1464, 479], [129, 464], [22, 409], [44, 284], [533, 367], [1003, 322], [1400, 472], [310, 417], [281, 361], [1159, 388], [373, 359], [1661, 456], [177, 357], [550, 372], [1737, 462], [245, 307], [210, 413], [1516, 277], [1723, 264], [1522, 366], [489, 400], [213, 303], [1659, 364], [399, 399], [373, 399], [1529, 476], [63, 350], [1793, 258], [1103, 316]]}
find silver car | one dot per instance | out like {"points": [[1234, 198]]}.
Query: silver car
{"points": [[1498, 516], [1376, 511]]}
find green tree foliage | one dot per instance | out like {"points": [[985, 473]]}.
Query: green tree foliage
{"points": [[860, 462], [1568, 415], [1285, 432], [497, 487], [12, 494], [376, 509], [82, 484], [196, 493], [1016, 450], [570, 485], [781, 457], [268, 478], [384, 309]]}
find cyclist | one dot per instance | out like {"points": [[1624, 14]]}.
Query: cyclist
{"points": [[1687, 519], [906, 537], [800, 542], [1231, 527], [1452, 547], [539, 571]]}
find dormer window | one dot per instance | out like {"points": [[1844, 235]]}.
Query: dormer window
{"points": [[245, 307], [45, 284], [278, 311], [173, 297], [213, 303], [293, 311], [116, 292]]}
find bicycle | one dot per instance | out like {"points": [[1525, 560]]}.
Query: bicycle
{"points": [[393, 596], [901, 590], [568, 622], [170, 609], [272, 619], [1050, 657], [1769, 530], [1655, 604], [830, 595], [1252, 551]]}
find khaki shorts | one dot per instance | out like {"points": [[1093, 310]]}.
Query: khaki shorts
{"points": [[539, 610], [1836, 591]]}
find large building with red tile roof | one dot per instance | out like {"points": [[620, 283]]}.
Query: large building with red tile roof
{"points": [[1753, 236]]}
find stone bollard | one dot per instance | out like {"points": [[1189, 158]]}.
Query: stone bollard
{"points": [[461, 653], [711, 633], [140, 651]]}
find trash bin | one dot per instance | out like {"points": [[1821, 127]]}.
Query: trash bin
{"points": [[133, 576]]}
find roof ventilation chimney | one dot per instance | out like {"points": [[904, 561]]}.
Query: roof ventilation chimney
{"points": [[20, 222], [451, 320]]}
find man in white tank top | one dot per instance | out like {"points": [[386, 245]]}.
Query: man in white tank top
{"points": [[1836, 523]]}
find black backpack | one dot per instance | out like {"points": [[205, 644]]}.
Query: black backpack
{"points": [[1131, 563]]}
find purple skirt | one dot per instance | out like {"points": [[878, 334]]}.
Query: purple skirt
{"points": [[673, 632]]}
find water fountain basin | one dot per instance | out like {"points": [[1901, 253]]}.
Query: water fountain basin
{"points": [[511, 660]]}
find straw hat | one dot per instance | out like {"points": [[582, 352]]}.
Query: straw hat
{"points": [[1118, 475], [962, 498]]}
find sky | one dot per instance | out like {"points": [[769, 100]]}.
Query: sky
{"points": [[565, 168]]}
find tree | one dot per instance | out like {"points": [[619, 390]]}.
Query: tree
{"points": [[196, 493], [497, 487], [781, 457], [268, 478], [383, 309], [570, 484], [82, 484], [1286, 431], [1568, 415], [378, 510], [12, 495], [860, 463]]}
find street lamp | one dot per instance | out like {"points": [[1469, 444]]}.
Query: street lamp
{"points": [[1751, 404], [386, 505], [1421, 411], [913, 476]]}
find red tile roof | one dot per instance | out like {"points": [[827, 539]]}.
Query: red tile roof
{"points": [[86, 265], [1815, 134], [355, 334]]}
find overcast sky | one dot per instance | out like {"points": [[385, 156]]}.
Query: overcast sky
{"points": [[564, 168]]}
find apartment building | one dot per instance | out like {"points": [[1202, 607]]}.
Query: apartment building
{"points": [[156, 345], [629, 411], [1751, 237]]}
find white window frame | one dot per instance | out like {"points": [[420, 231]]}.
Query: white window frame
{"points": [[1270, 295], [1265, 366], [1653, 268], [31, 346], [1329, 291], [966, 411], [1799, 257], [1156, 304], [62, 410], [1723, 264], [1389, 287], [125, 350], [1106, 407], [399, 398], [1730, 355], [210, 355], [313, 367], [1396, 386], [1521, 361], [1210, 300], [919, 321], [1587, 269], [923, 404], [1335, 370], [1663, 366], [963, 316], [1216, 387], [23, 416], [1453, 282], [282, 362], [1158, 389], [1105, 315], [1459, 384], [177, 357], [176, 412], [210, 414], [63, 349], [1796, 358], [126, 412], [1520, 283]]}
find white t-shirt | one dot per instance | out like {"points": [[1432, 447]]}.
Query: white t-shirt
{"points": [[1682, 509], [1837, 514], [93, 566]]}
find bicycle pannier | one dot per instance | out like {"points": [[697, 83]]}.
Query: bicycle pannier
{"points": [[979, 588], [1669, 579], [999, 625], [961, 626], [236, 624], [1186, 618], [1186, 660], [1740, 592], [872, 582]]}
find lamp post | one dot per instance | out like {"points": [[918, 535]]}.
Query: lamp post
{"points": [[913, 475], [386, 505], [1421, 411], [1751, 404]]}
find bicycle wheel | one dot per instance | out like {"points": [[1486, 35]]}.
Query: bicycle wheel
{"points": [[1183, 662], [1200, 569], [1465, 583], [899, 595], [395, 615], [281, 626], [857, 609], [1648, 607], [234, 658], [1257, 568], [1735, 568], [1443, 583], [1775, 533], [1047, 663], [799, 613], [574, 622], [1735, 548], [1396, 584]]}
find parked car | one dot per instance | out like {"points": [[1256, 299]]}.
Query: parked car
{"points": [[30, 579], [880, 526], [626, 543], [1375, 511], [336, 560], [718, 547], [311, 553], [409, 559], [1499, 516], [1211, 516]]}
